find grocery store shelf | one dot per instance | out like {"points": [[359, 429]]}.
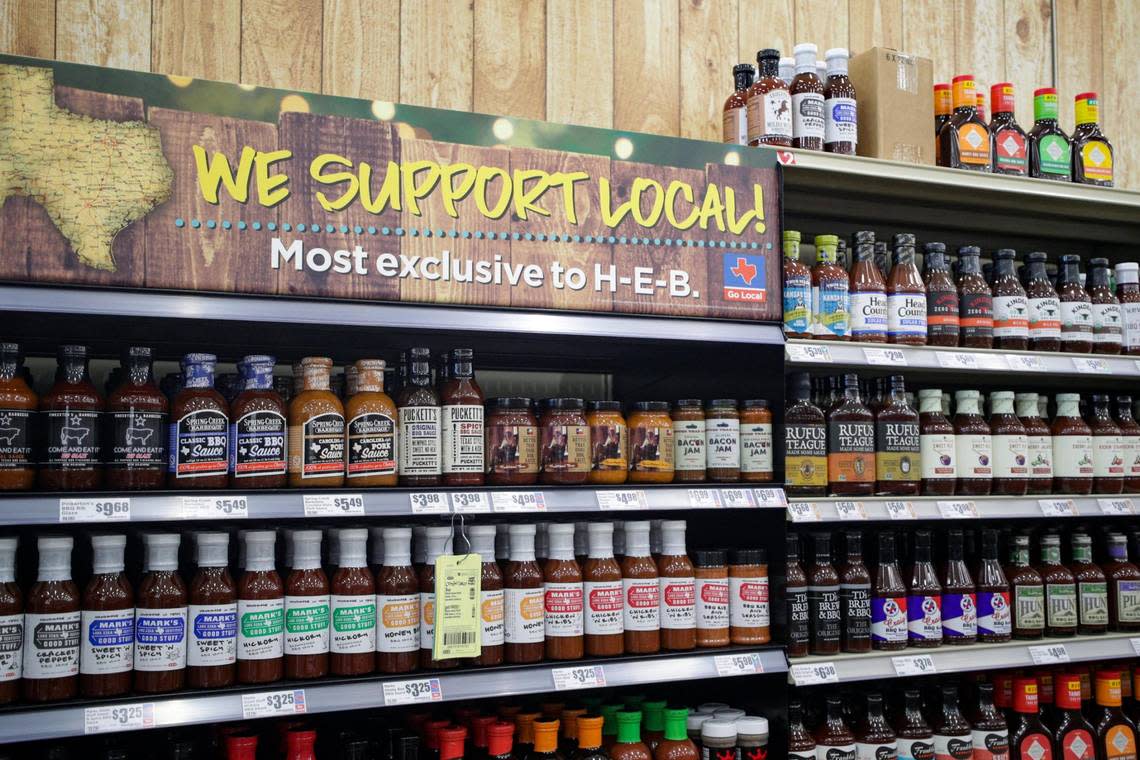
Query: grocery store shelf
{"points": [[863, 508], [46, 509], [28, 724], [843, 668]]}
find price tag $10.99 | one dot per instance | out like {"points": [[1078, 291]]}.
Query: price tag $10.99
{"points": [[583, 677], [108, 718], [412, 692]]}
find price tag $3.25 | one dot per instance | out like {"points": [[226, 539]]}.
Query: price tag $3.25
{"points": [[412, 692], [582, 677]]}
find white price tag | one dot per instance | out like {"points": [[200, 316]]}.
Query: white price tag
{"points": [[108, 718], [333, 504], [900, 510], [851, 510], [813, 673], [412, 692], [429, 503], [1086, 365], [608, 500], [583, 677], [889, 356], [1057, 507], [106, 509], [703, 498], [958, 510], [470, 502], [737, 498], [738, 664], [803, 511], [1026, 363], [798, 352], [1135, 645], [518, 501], [1121, 506], [956, 360], [992, 361], [914, 665], [214, 507], [1049, 654], [771, 497], [266, 703]]}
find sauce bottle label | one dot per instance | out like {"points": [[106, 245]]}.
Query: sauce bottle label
{"points": [[855, 603], [491, 613], [1093, 600], [1011, 316], [108, 641], [513, 449], [1106, 321], [876, 750], [1076, 321], [992, 744], [689, 445], [318, 445], [1055, 156], [842, 124], [371, 445], [1011, 456], [797, 303], [525, 613], [1077, 744], [1039, 449], [608, 447], [257, 444], [938, 456], [748, 602], [15, 440], [160, 638], [427, 620], [942, 312], [462, 438], [924, 617], [679, 603], [836, 752], [1072, 456], [869, 313], [723, 449], [953, 747], [889, 619], [799, 615], [563, 609], [994, 616], [1131, 314], [642, 604], [1119, 743], [808, 115], [897, 451], [1128, 601], [719, 753], [1096, 161], [307, 624], [830, 302], [825, 613], [850, 452], [906, 315], [1029, 607], [973, 144], [805, 455], [213, 635], [1035, 745], [51, 644], [770, 116], [199, 444], [1061, 605], [72, 438], [959, 616], [353, 624], [566, 448], [261, 628], [419, 440], [605, 607], [1010, 152], [975, 456], [976, 314], [137, 439], [809, 755], [1045, 317], [650, 448], [11, 647], [916, 749], [398, 617], [1108, 456], [735, 126]]}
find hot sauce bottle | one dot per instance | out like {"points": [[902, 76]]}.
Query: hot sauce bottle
{"points": [[52, 625], [398, 606], [71, 418], [1010, 143], [973, 444], [924, 599], [211, 649], [1076, 308], [851, 444], [604, 594], [438, 542], [106, 656], [461, 426], [942, 323], [936, 445], [964, 141], [1010, 446], [769, 103], [678, 590], [137, 419], [830, 301], [1028, 592], [353, 607], [888, 603], [1092, 588], [1123, 579], [1039, 445], [1130, 443], [199, 428], [257, 428], [1049, 149], [12, 624], [1061, 616], [641, 588], [805, 441], [898, 447], [1108, 448], [1107, 319], [562, 594], [1074, 734], [840, 130], [824, 602], [735, 117], [797, 289], [490, 596], [906, 296], [261, 612], [1011, 304], [1092, 152], [833, 739], [855, 596], [1072, 448], [1128, 292], [1028, 738], [806, 89], [18, 404], [796, 596], [523, 599], [307, 609], [943, 108], [316, 429], [160, 618], [959, 598], [868, 294], [1115, 732], [975, 299]]}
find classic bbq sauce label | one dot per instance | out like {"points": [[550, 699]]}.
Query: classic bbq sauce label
{"points": [[805, 454], [51, 644], [1039, 449], [1011, 152], [992, 744], [1077, 744], [605, 607], [723, 443], [898, 451], [1029, 607], [906, 315], [826, 613], [398, 618], [1096, 160], [850, 452], [799, 614], [942, 313], [924, 617], [1045, 317], [748, 603], [108, 641], [491, 612], [973, 144], [353, 624], [689, 445], [137, 439], [1072, 456], [836, 752], [514, 449], [977, 315], [563, 605], [1127, 602], [1076, 321], [462, 438], [1119, 743], [15, 439], [321, 440], [307, 624], [855, 604], [734, 126], [994, 615], [525, 613], [566, 448], [371, 445], [11, 647], [1092, 599], [642, 604], [261, 628], [842, 124], [808, 116], [938, 456], [679, 602], [1061, 605], [1011, 316], [975, 456], [1108, 456], [916, 749], [869, 313], [959, 616], [830, 302], [199, 444], [876, 750], [1055, 155], [1107, 322], [888, 618], [420, 440], [212, 638], [770, 115], [72, 438], [160, 638], [257, 444], [797, 303], [1011, 456], [953, 747], [1035, 745]]}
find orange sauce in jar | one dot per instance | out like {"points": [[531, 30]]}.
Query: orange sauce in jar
{"points": [[609, 443], [651, 456]]}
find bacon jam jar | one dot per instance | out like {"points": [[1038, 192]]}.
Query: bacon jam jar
{"points": [[511, 431]]}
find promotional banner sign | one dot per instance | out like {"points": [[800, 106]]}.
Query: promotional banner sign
{"points": [[125, 179]]}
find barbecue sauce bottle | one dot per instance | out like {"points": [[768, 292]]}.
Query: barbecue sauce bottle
{"points": [[562, 596], [52, 626], [953, 735], [796, 594], [975, 300], [1028, 592], [523, 599], [420, 455], [160, 618], [805, 441], [888, 605], [924, 599], [1092, 152], [823, 598], [906, 296], [1074, 734], [398, 606], [316, 429], [678, 590], [461, 426], [199, 428], [915, 739], [1010, 144], [12, 624], [307, 615], [769, 103], [959, 597], [1049, 149], [855, 596], [801, 744], [1076, 308], [833, 739], [1072, 448], [1107, 317], [17, 410], [1011, 304], [106, 656], [603, 594], [868, 294], [1028, 738], [261, 612], [936, 445], [1108, 447], [71, 419], [258, 428], [1115, 732], [898, 445], [211, 649], [370, 429], [942, 321], [641, 585], [875, 739], [1039, 444], [994, 618], [851, 444], [990, 734], [1061, 615], [735, 112], [1092, 588], [439, 543], [1123, 585], [491, 596], [964, 141], [353, 608], [137, 419], [1010, 446], [973, 445]]}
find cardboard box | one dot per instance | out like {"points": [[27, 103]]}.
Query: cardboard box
{"points": [[895, 94]]}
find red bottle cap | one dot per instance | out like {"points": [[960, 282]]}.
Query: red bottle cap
{"points": [[962, 78], [451, 740], [1001, 97], [1067, 691], [942, 86], [1045, 686], [1085, 96], [431, 732], [1045, 91], [479, 725], [499, 738], [299, 744], [1025, 695], [241, 747], [1003, 690]]}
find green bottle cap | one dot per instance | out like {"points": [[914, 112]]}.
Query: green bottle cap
{"points": [[629, 727], [654, 715], [634, 701], [676, 724], [609, 712]]}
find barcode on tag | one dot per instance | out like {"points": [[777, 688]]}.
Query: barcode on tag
{"points": [[801, 353], [333, 505], [914, 665], [851, 510], [518, 501], [1057, 507], [266, 703], [738, 664], [1090, 366], [1026, 363], [1048, 654], [803, 511], [584, 677], [888, 356], [900, 510], [621, 500], [109, 718], [412, 692], [703, 498], [469, 502], [215, 507], [956, 360], [429, 503], [109, 509], [735, 498], [813, 673], [1115, 506], [958, 510]]}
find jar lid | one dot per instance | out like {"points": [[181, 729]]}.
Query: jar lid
{"points": [[696, 720], [509, 402], [651, 406], [752, 725], [754, 403], [565, 403], [709, 558], [605, 406], [718, 728], [722, 403], [689, 402], [757, 556]]}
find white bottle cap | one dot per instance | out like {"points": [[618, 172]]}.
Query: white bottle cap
{"points": [[212, 549], [1127, 271], [1001, 402], [419, 544], [805, 54], [711, 707], [107, 551], [8, 546], [438, 542], [730, 714], [161, 551], [655, 536], [601, 542], [522, 542], [836, 60], [719, 728], [353, 547], [637, 538], [561, 536], [502, 542], [673, 538], [752, 725], [483, 541], [259, 550], [306, 549], [581, 538], [376, 546], [397, 547], [787, 68], [55, 557]]}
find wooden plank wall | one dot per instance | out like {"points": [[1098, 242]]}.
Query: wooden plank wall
{"points": [[649, 65]]}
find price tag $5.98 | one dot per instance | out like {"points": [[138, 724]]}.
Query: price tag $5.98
{"points": [[738, 664]]}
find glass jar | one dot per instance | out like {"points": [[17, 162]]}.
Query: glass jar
{"points": [[755, 441], [511, 431], [689, 441], [722, 429], [609, 443], [650, 443], [565, 442]]}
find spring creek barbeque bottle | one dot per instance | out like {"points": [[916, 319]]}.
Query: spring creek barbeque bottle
{"points": [[199, 428], [258, 451]]}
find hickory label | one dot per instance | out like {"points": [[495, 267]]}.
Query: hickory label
{"points": [[306, 624], [261, 628]]}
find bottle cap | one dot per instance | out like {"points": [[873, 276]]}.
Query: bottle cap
{"points": [[1025, 695], [438, 542], [729, 713], [637, 538], [161, 551], [259, 549], [629, 726], [696, 721], [1067, 691], [108, 553], [589, 728], [397, 547], [353, 547], [1108, 688], [545, 735], [500, 738], [479, 724], [718, 728], [451, 741], [752, 725]]}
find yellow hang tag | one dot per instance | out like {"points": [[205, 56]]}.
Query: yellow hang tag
{"points": [[458, 579]]}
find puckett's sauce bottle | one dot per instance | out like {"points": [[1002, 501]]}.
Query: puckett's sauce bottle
{"points": [[106, 657], [137, 419], [211, 649], [52, 626], [461, 425], [199, 428]]}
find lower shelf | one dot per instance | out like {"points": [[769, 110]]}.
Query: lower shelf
{"points": [[861, 508], [842, 668], [30, 723]]}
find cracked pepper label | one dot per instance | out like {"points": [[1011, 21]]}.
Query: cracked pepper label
{"points": [[51, 644]]}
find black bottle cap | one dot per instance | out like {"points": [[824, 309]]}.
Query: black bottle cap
{"points": [[969, 250], [863, 237], [607, 406], [934, 247], [743, 68], [709, 558], [565, 403], [1098, 262], [1005, 253], [650, 406], [768, 54], [757, 556]]}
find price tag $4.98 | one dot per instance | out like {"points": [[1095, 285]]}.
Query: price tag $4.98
{"points": [[412, 692], [1048, 654], [582, 677]]}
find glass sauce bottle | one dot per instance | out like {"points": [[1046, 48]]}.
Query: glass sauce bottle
{"points": [[71, 416], [18, 404], [1123, 580], [874, 737], [1028, 737], [915, 738], [418, 406], [797, 289], [807, 100], [975, 300], [160, 618], [906, 296], [523, 597], [796, 595], [735, 112], [1092, 588], [805, 441], [840, 131], [1074, 734], [942, 323], [12, 624], [801, 744], [823, 598], [1128, 293], [973, 445], [316, 429], [137, 417], [398, 606], [676, 744], [959, 597], [1049, 149], [1028, 592], [1072, 448], [1108, 447], [1076, 308], [898, 447], [855, 596], [490, 596], [1011, 304], [211, 648], [990, 734], [1061, 615], [924, 598], [831, 316], [1039, 445], [678, 589], [603, 594], [964, 141], [1092, 152], [953, 735], [438, 541], [199, 428], [1107, 318], [833, 739], [106, 656], [888, 605], [868, 294], [994, 618], [562, 594], [370, 428], [258, 428], [51, 666], [1010, 446], [641, 587], [1130, 443], [1010, 144], [261, 612], [352, 608], [851, 444], [1044, 305], [936, 445], [461, 429], [1115, 732], [769, 103]]}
